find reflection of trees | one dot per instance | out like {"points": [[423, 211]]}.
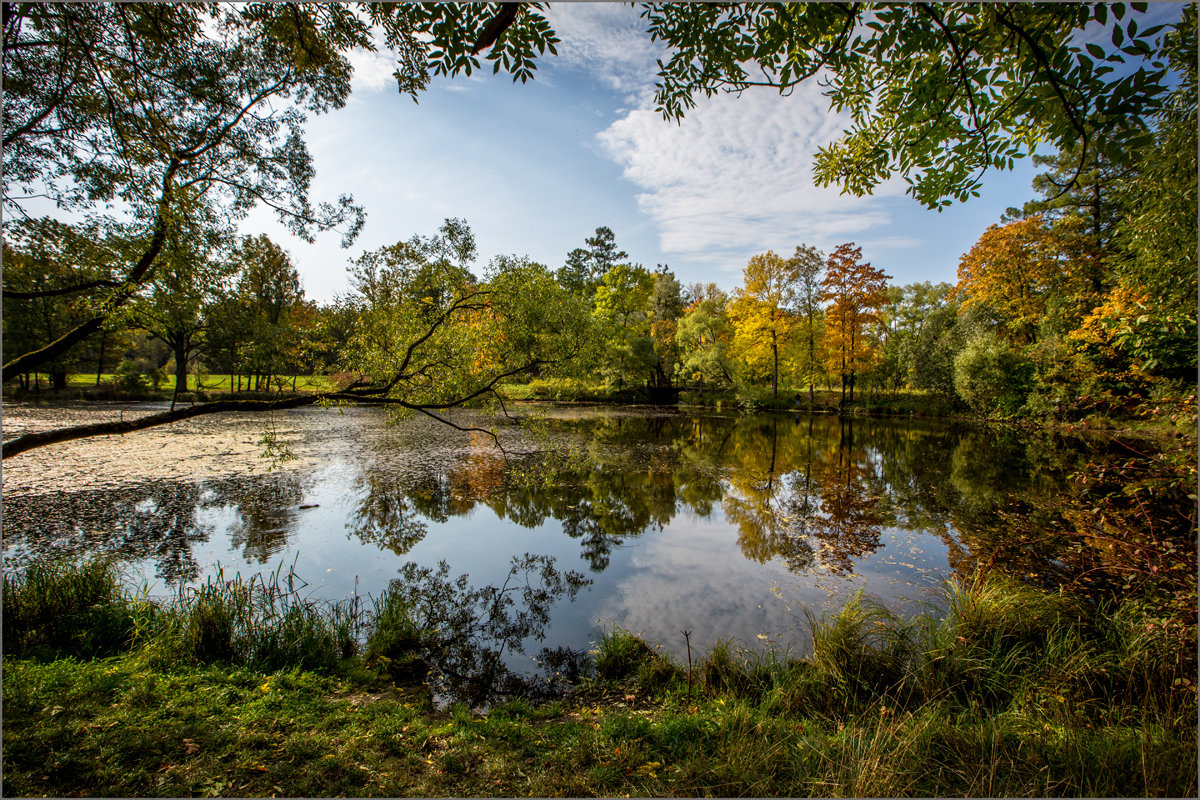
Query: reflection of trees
{"points": [[626, 479], [766, 497], [159, 521], [813, 491], [155, 521], [802, 490], [851, 518], [466, 630], [384, 516], [267, 508]]}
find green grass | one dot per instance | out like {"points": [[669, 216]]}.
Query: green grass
{"points": [[245, 689], [210, 383]]}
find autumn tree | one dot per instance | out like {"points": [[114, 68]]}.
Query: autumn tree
{"points": [[762, 312], [856, 293], [1156, 236], [1032, 272]]}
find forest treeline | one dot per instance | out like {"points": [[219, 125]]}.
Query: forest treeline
{"points": [[1083, 300]]}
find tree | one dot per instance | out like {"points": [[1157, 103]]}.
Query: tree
{"points": [[1156, 236], [44, 260], [584, 269], [990, 376], [932, 337], [938, 93], [666, 309], [516, 320], [856, 293], [159, 108], [761, 312], [809, 262], [134, 102], [1036, 274], [269, 288], [703, 337], [622, 312], [190, 274]]}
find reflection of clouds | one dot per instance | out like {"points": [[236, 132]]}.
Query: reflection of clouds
{"points": [[693, 576]]}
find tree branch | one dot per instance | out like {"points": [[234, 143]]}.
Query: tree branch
{"points": [[79, 287]]}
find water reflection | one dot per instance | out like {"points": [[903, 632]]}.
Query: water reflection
{"points": [[817, 494]]}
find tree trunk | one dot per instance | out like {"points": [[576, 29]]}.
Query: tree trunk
{"points": [[100, 360], [852, 387], [181, 359], [58, 377], [812, 361], [179, 348], [775, 371]]}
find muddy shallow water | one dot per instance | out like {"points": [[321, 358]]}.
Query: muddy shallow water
{"points": [[726, 526]]}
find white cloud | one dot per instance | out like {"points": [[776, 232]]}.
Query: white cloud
{"points": [[735, 177], [609, 41], [373, 71]]}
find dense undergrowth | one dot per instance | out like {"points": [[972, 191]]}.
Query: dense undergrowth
{"points": [[249, 689]]}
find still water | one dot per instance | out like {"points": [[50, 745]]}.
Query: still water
{"points": [[728, 526]]}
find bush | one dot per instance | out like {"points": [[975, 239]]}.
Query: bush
{"points": [[990, 377]]}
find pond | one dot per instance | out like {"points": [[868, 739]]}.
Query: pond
{"points": [[729, 526]]}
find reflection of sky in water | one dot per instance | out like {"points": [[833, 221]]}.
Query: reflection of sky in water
{"points": [[691, 573]]}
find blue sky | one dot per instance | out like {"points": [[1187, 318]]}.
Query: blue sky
{"points": [[535, 168]]}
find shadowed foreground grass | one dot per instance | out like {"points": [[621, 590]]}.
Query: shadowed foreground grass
{"points": [[1013, 692]]}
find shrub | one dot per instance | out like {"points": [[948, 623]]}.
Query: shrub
{"points": [[990, 377], [620, 654]]}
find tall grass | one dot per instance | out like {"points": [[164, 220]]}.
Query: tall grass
{"points": [[59, 608], [996, 648], [82, 609], [1005, 690], [264, 622]]}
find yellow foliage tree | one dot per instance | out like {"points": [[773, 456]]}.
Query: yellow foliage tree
{"points": [[856, 293], [761, 311], [1029, 269]]}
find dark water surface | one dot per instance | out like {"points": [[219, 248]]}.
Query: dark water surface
{"points": [[728, 526]]}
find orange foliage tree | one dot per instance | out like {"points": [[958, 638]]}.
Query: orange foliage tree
{"points": [[1030, 269], [856, 292]]}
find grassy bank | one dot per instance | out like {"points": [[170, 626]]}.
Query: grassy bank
{"points": [[82, 386], [242, 690]]}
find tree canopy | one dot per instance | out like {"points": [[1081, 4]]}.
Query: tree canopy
{"points": [[936, 93]]}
